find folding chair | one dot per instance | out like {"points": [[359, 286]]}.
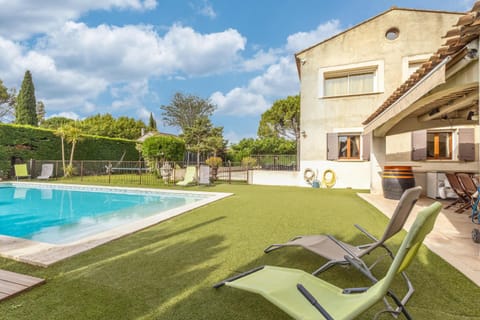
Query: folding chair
{"points": [[304, 296], [463, 200]]}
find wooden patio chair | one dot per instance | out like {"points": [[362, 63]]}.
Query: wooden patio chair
{"points": [[468, 185], [463, 200]]}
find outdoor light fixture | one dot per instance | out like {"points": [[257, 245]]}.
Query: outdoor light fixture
{"points": [[472, 53], [304, 134]]}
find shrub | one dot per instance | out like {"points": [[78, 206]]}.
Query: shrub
{"points": [[214, 162]]}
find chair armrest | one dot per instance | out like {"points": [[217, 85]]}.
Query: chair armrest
{"points": [[365, 232], [313, 301], [360, 266], [354, 290]]}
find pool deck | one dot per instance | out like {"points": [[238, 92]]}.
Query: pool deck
{"points": [[45, 254], [12, 283], [451, 237]]}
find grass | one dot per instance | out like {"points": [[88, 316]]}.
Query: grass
{"points": [[167, 271]]}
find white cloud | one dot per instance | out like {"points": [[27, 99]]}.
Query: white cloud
{"points": [[69, 115], [206, 9], [22, 19], [302, 40], [262, 59], [239, 102]]}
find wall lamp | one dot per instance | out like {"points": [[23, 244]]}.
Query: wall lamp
{"points": [[303, 133]]}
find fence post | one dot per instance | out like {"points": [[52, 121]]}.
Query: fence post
{"points": [[140, 170], [81, 170], [229, 171], [109, 172]]}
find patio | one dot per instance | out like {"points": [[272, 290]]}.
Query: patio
{"points": [[451, 237]]}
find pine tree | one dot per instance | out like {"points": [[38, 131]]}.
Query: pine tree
{"points": [[40, 112], [26, 107], [152, 124]]}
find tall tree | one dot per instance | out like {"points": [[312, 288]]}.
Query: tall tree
{"points": [[40, 112], [282, 120], [184, 110], [7, 103], [73, 135], [26, 106], [196, 136], [152, 123], [62, 133]]}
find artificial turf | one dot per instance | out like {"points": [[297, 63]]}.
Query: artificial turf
{"points": [[167, 271]]}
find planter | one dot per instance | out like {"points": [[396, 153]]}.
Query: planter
{"points": [[395, 180]]}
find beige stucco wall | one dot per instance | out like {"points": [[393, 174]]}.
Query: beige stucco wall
{"points": [[420, 34]]}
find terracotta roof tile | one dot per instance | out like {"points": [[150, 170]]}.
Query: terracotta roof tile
{"points": [[466, 30]]}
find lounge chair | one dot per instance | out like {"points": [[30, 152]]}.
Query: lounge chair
{"points": [[463, 200], [190, 176], [47, 171], [335, 250], [304, 296], [21, 171]]}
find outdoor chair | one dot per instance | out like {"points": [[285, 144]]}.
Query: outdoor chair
{"points": [[468, 185], [304, 296], [335, 250], [21, 171], [463, 200], [47, 171], [190, 176]]}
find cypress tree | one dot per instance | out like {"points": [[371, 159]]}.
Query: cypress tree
{"points": [[152, 124], [26, 107]]}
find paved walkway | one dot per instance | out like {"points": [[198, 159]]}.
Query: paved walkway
{"points": [[12, 283], [451, 237]]}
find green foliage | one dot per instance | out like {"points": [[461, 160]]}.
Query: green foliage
{"points": [[28, 142], [26, 106], [163, 147], [106, 125], [184, 110], [55, 122], [249, 146], [152, 123], [214, 162], [249, 162], [282, 120]]}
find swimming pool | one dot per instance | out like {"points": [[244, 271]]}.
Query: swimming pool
{"points": [[55, 216]]}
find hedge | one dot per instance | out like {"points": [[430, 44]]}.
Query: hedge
{"points": [[27, 142]]}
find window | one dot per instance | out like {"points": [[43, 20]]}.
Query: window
{"points": [[392, 33], [439, 145], [349, 83], [349, 146], [352, 79], [444, 145]]}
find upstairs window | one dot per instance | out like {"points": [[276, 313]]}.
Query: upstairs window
{"points": [[352, 79], [349, 82]]}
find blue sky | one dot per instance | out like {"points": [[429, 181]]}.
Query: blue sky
{"points": [[128, 57]]}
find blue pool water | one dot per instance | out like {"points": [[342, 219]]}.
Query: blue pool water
{"points": [[60, 215]]}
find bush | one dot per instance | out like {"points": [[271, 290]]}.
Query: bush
{"points": [[214, 162], [249, 162]]}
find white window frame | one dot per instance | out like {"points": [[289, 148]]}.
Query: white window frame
{"points": [[406, 61], [378, 66]]}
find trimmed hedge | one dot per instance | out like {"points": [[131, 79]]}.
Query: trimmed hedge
{"points": [[27, 142]]}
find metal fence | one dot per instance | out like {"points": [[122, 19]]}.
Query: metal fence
{"points": [[276, 162], [129, 172]]}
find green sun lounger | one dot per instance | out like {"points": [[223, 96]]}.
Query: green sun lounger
{"points": [[21, 171], [304, 296]]}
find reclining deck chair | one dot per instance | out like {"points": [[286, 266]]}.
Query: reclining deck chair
{"points": [[463, 198], [21, 171], [47, 171], [335, 250], [304, 296], [190, 176], [469, 186]]}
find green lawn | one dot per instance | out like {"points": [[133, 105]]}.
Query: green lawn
{"points": [[167, 271]]}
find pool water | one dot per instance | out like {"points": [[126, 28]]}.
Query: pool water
{"points": [[60, 215]]}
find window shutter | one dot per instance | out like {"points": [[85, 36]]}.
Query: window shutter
{"points": [[419, 145], [366, 146], [332, 146], [466, 144]]}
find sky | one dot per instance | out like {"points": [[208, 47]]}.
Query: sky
{"points": [[129, 57]]}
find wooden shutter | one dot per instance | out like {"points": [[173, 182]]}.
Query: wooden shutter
{"points": [[466, 144], [419, 145], [332, 146], [366, 146]]}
